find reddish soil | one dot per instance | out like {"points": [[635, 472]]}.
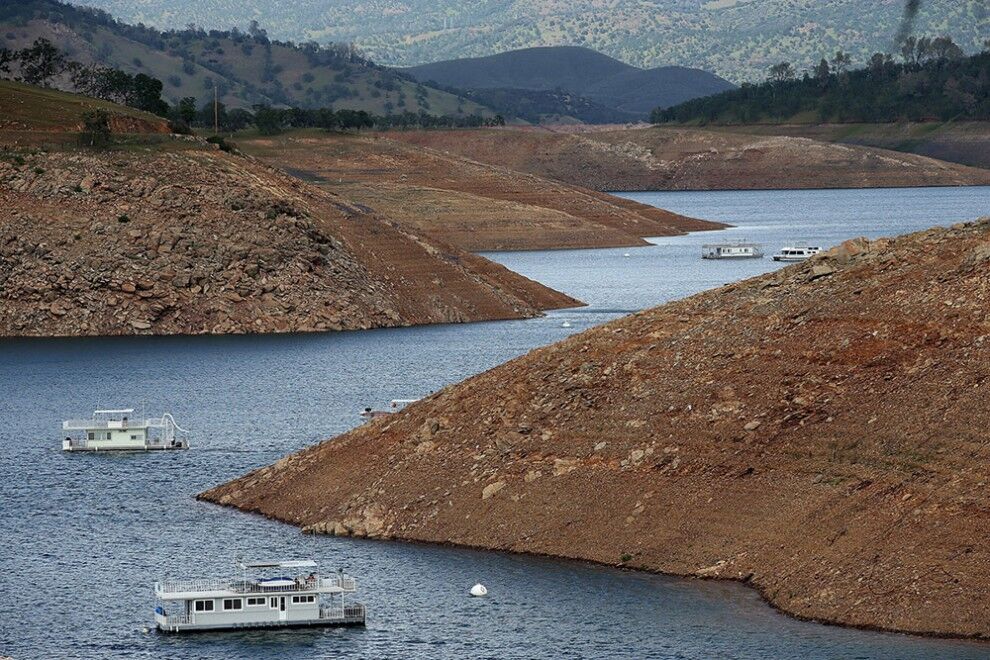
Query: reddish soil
{"points": [[464, 202], [819, 433], [694, 159]]}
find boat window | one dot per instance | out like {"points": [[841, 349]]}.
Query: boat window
{"points": [[273, 603], [92, 436], [304, 599], [203, 606], [233, 604], [256, 602]]}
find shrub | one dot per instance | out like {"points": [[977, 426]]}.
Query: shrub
{"points": [[96, 130]]}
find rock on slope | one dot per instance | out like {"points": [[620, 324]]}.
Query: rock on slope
{"points": [[186, 241], [472, 205], [695, 159], [819, 432]]}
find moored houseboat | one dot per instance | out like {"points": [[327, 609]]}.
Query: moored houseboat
{"points": [[732, 250], [118, 430], [258, 601]]}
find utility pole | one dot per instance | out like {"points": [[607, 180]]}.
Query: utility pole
{"points": [[216, 111]]}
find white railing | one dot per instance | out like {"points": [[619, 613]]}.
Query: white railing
{"points": [[345, 582], [177, 619], [346, 613]]}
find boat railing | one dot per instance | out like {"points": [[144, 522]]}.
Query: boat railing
{"points": [[347, 612], [345, 582], [178, 619]]}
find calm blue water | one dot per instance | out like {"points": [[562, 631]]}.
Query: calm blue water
{"points": [[85, 536]]}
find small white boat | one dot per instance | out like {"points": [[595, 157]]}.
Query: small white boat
{"points": [[796, 252], [305, 600], [732, 250], [117, 430], [394, 406]]}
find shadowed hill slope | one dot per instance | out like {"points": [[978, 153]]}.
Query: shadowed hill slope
{"points": [[818, 432], [577, 70]]}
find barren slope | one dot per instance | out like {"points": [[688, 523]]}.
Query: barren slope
{"points": [[198, 241], [467, 203], [819, 432], [695, 159]]}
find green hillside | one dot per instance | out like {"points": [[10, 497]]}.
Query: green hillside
{"points": [[935, 82], [246, 68], [737, 39]]}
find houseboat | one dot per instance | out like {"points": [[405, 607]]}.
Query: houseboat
{"points": [[118, 430], [266, 595], [736, 250], [796, 253], [394, 406]]}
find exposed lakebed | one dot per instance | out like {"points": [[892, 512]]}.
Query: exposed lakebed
{"points": [[86, 535]]}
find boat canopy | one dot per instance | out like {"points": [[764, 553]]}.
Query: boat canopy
{"points": [[295, 563], [122, 411]]}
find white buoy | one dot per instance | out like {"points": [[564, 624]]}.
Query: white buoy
{"points": [[146, 630], [565, 324], [627, 255], [479, 590]]}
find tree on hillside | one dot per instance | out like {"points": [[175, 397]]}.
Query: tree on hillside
{"points": [[822, 71], [41, 62], [841, 62], [781, 72], [6, 57], [186, 109]]}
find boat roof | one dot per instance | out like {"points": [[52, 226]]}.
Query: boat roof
{"points": [[286, 563], [121, 411]]}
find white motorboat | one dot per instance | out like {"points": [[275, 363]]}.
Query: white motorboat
{"points": [[796, 252], [394, 406]]}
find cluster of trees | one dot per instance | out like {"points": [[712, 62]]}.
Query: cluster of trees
{"points": [[272, 121], [934, 80], [43, 64]]}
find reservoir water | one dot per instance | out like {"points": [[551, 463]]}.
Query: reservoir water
{"points": [[84, 536]]}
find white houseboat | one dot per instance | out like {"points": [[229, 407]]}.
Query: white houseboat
{"points": [[732, 250], [796, 252], [275, 601], [393, 407], [117, 430]]}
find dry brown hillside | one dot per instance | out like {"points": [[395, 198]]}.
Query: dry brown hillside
{"points": [[695, 159], [189, 240], [819, 433], [469, 204]]}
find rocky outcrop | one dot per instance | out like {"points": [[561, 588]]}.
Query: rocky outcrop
{"points": [[819, 433], [181, 239]]}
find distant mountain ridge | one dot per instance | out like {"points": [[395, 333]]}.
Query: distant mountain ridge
{"points": [[737, 39], [599, 78]]}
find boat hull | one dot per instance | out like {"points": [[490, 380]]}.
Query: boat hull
{"points": [[777, 257], [70, 447], [343, 622]]}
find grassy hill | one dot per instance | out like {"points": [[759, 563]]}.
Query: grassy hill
{"points": [[599, 78], [737, 39], [246, 68], [26, 109]]}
